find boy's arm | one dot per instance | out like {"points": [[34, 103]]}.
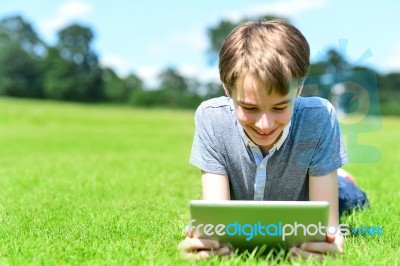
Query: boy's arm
{"points": [[323, 188], [215, 186]]}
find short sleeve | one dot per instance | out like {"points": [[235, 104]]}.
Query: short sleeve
{"points": [[330, 153], [206, 149]]}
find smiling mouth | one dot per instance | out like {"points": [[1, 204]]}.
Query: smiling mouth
{"points": [[265, 134]]}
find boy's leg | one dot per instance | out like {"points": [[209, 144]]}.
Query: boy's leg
{"points": [[351, 197]]}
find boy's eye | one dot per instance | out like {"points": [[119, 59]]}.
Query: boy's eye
{"points": [[280, 108], [249, 108]]}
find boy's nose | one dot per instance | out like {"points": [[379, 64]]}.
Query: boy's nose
{"points": [[264, 122]]}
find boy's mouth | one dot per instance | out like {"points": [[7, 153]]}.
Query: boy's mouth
{"points": [[264, 134]]}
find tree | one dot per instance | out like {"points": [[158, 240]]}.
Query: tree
{"points": [[114, 89], [133, 84], [18, 31], [172, 81], [20, 74], [325, 73], [213, 89], [174, 91], [389, 93], [72, 69], [59, 81], [74, 43], [177, 90], [120, 90]]}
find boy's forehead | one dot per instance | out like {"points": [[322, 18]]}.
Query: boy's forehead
{"points": [[253, 87]]}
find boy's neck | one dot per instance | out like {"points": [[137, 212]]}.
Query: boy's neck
{"points": [[265, 149]]}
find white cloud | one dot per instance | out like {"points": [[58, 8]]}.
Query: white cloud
{"points": [[393, 63], [120, 65], [210, 74], [193, 39], [74, 8], [201, 74], [188, 71], [149, 74], [65, 14], [286, 8]]}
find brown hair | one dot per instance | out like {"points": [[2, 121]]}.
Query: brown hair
{"points": [[274, 51]]}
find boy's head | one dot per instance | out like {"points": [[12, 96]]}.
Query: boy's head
{"points": [[273, 51], [262, 67]]}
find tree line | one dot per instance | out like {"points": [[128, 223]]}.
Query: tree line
{"points": [[70, 71]]}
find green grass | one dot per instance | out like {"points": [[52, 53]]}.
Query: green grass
{"points": [[104, 185]]}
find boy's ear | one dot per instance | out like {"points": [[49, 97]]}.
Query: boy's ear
{"points": [[299, 83], [226, 90], [298, 90]]}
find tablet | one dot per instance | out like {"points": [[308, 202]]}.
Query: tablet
{"points": [[245, 225]]}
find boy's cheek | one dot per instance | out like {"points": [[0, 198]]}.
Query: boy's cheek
{"points": [[285, 117], [242, 116]]}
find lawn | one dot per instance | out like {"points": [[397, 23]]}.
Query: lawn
{"points": [[107, 185]]}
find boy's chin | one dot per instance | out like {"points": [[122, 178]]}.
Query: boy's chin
{"points": [[262, 142]]}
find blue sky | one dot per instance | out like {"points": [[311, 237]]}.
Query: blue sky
{"points": [[145, 37]]}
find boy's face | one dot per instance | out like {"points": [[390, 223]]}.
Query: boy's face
{"points": [[263, 116]]}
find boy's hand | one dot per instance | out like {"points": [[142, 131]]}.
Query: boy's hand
{"points": [[334, 245], [199, 248]]}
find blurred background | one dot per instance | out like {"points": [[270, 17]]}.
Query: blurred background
{"points": [[96, 120], [165, 54]]}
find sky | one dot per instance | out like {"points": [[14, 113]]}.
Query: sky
{"points": [[145, 37]]}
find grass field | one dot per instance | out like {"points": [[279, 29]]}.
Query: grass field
{"points": [[104, 185]]}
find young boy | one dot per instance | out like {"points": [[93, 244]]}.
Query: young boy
{"points": [[263, 141]]}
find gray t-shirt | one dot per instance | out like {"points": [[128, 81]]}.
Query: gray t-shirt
{"points": [[313, 147]]}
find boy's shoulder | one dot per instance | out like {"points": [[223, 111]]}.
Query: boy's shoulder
{"points": [[313, 111], [220, 105], [315, 106], [216, 102], [312, 102], [216, 112]]}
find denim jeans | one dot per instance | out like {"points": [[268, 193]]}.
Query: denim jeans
{"points": [[351, 197]]}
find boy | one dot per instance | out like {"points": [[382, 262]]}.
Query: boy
{"points": [[263, 141]]}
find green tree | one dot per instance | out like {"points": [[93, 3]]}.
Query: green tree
{"points": [[59, 80], [72, 69], [177, 90], [114, 89], [74, 43], [120, 90], [389, 93], [174, 91], [20, 73], [324, 73], [133, 84], [213, 89], [20, 32]]}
